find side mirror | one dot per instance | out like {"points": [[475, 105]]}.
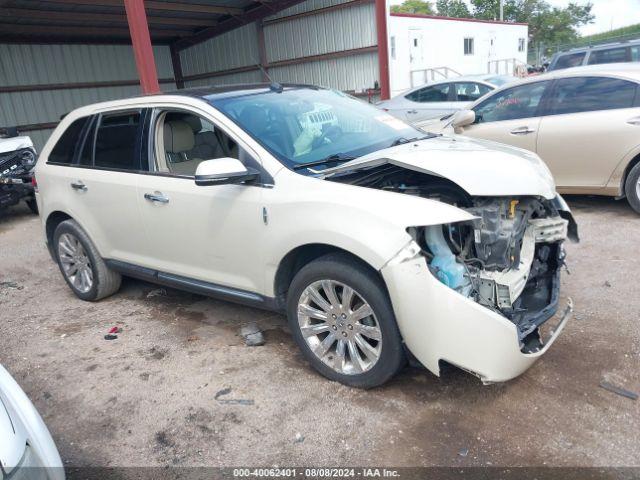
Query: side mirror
{"points": [[223, 171], [461, 119]]}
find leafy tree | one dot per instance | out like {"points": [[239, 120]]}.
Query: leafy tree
{"points": [[414, 6], [453, 8]]}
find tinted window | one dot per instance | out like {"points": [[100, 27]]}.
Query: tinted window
{"points": [[470, 91], [436, 93], [570, 60], [64, 150], [586, 94], [116, 141], [512, 103], [613, 55], [635, 54]]}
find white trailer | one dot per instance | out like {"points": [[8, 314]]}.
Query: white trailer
{"points": [[424, 48]]}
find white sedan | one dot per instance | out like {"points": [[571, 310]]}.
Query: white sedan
{"points": [[442, 98], [371, 236], [27, 450]]}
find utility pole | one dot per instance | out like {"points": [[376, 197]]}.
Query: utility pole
{"points": [[502, 10]]}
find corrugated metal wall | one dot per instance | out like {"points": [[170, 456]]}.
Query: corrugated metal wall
{"points": [[327, 32], [31, 65]]}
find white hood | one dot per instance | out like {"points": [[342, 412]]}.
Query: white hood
{"points": [[14, 143], [480, 167]]}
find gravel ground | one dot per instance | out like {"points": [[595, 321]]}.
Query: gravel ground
{"points": [[149, 397]]}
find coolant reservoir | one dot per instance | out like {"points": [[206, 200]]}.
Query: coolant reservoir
{"points": [[444, 264]]}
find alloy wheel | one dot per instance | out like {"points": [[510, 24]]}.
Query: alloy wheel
{"points": [[75, 262], [340, 327]]}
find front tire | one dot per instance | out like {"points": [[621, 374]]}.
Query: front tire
{"points": [[341, 317], [632, 188], [81, 265]]}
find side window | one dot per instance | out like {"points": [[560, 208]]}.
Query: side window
{"points": [[470, 91], [612, 55], [512, 103], [635, 53], [117, 141], [183, 140], [585, 94], [569, 60], [64, 150], [435, 93]]}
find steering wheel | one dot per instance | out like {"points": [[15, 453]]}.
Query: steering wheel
{"points": [[331, 133]]}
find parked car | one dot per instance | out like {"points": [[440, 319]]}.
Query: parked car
{"points": [[17, 159], [620, 52], [371, 236], [442, 98], [27, 450], [583, 122]]}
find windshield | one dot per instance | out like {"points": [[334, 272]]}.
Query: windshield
{"points": [[305, 126]]}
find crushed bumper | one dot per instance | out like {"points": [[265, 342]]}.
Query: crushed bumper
{"points": [[437, 323]]}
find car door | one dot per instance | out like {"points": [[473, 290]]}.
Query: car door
{"points": [[430, 102], [510, 116], [591, 125], [97, 160], [206, 233]]}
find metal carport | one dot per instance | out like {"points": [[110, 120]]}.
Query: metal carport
{"points": [[58, 54]]}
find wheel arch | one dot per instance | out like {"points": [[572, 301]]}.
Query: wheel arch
{"points": [[632, 163], [54, 219], [302, 255]]}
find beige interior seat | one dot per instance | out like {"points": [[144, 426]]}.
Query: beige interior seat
{"points": [[179, 140]]}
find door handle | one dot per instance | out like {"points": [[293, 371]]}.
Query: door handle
{"points": [[634, 121], [522, 131], [78, 185], [412, 111], [156, 197]]}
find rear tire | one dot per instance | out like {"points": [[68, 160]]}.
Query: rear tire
{"points": [[334, 332], [632, 188], [81, 265]]}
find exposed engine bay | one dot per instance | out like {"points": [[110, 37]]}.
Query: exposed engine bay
{"points": [[507, 259]]}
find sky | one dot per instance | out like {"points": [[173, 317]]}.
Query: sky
{"points": [[609, 13]]}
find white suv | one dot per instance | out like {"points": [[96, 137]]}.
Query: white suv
{"points": [[374, 238]]}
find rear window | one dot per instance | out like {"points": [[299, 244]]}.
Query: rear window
{"points": [[65, 149], [117, 141], [612, 55], [586, 94], [569, 60]]}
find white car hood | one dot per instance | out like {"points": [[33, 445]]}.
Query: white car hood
{"points": [[480, 167], [14, 143]]}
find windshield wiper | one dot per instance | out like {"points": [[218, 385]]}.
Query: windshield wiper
{"points": [[402, 140], [336, 158]]}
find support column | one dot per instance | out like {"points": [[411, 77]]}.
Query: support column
{"points": [[383, 48], [141, 41], [262, 51], [178, 76]]}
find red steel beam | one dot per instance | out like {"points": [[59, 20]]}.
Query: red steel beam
{"points": [[141, 41], [383, 49]]}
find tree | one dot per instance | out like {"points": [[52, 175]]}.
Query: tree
{"points": [[414, 6], [453, 8]]}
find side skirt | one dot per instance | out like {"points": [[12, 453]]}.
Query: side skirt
{"points": [[192, 285]]}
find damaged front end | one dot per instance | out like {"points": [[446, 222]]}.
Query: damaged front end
{"points": [[508, 259], [475, 293]]}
